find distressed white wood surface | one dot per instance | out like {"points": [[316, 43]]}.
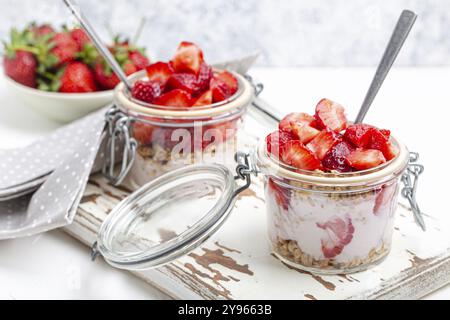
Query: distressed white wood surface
{"points": [[236, 263]]}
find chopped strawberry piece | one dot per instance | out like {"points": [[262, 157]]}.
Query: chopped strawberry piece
{"points": [[160, 71], [282, 194], [230, 80], [204, 100], [204, 77], [322, 143], [384, 198], [335, 159], [391, 151], [386, 133], [188, 58], [276, 141], [303, 132], [330, 115], [175, 98], [358, 135], [220, 90], [339, 234], [183, 81], [146, 91], [295, 117], [142, 132], [365, 159], [295, 154], [379, 141]]}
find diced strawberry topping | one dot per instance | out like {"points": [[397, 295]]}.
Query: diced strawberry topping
{"points": [[160, 71], [379, 141], [188, 58], [183, 81], [331, 115], [276, 140], [230, 80], [175, 98], [365, 159], [303, 132], [384, 198], [339, 234], [295, 154], [204, 77], [322, 143], [282, 194], [204, 100], [220, 90], [386, 133], [335, 159], [142, 132], [358, 135], [295, 117], [146, 91]]}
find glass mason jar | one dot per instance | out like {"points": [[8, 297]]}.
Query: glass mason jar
{"points": [[319, 222], [169, 138], [331, 223]]}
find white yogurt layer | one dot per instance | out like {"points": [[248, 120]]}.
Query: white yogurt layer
{"points": [[299, 222]]}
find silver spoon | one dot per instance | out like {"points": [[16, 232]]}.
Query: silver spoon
{"points": [[401, 31], [98, 43]]}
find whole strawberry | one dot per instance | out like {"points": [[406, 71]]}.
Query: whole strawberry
{"points": [[106, 78], [64, 48], [41, 30], [139, 59], [80, 37], [77, 78], [21, 66]]}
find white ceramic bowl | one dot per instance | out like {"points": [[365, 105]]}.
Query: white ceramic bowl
{"points": [[62, 107]]}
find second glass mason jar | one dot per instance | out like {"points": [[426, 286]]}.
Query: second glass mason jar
{"points": [[172, 137], [331, 223]]}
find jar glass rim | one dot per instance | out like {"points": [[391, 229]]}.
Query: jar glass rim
{"points": [[240, 100], [394, 167], [335, 174]]}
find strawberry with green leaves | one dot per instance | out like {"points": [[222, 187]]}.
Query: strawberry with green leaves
{"points": [[20, 63], [77, 78], [21, 66], [130, 58]]}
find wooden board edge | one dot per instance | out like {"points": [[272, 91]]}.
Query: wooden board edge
{"points": [[413, 283], [82, 230]]}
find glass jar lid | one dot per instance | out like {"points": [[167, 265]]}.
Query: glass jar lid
{"points": [[168, 217]]}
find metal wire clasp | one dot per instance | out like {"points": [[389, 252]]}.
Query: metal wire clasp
{"points": [[245, 168], [257, 86], [118, 125], [410, 179]]}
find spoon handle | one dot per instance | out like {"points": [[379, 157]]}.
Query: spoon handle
{"points": [[98, 43], [401, 31]]}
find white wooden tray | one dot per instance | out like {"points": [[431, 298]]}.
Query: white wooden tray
{"points": [[236, 263]]}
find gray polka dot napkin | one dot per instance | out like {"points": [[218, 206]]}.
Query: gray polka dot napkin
{"points": [[57, 168]]}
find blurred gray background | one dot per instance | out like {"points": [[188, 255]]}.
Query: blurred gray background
{"points": [[286, 32]]}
